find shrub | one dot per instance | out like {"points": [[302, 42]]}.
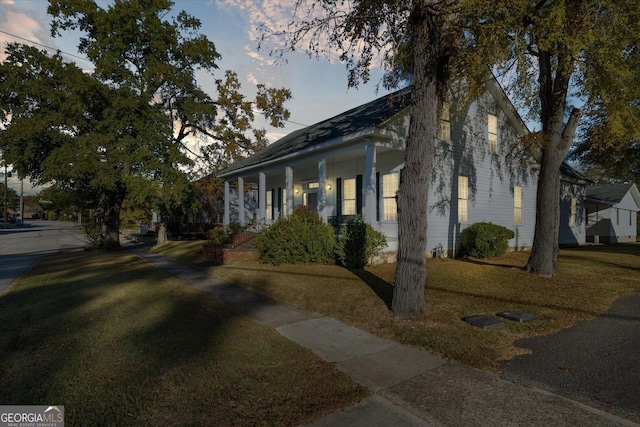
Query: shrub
{"points": [[486, 240], [359, 243], [300, 238], [97, 239], [235, 227], [218, 236]]}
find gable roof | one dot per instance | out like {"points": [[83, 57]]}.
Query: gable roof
{"points": [[360, 121], [612, 194], [341, 127]]}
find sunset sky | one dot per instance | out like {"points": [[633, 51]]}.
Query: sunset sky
{"points": [[319, 87]]}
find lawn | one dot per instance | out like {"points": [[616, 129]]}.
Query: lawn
{"points": [[119, 342], [589, 280]]}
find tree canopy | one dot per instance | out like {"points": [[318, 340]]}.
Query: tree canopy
{"points": [[121, 130]]}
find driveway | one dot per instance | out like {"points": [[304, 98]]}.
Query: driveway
{"points": [[21, 246], [596, 362]]}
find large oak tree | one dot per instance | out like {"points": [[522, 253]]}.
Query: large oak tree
{"points": [[566, 60], [121, 130]]}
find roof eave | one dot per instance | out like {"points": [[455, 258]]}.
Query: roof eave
{"points": [[370, 132]]}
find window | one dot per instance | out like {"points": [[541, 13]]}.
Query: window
{"points": [[269, 205], [517, 205], [574, 212], [630, 218], [390, 184], [313, 185], [463, 198], [349, 197], [445, 123], [493, 133]]}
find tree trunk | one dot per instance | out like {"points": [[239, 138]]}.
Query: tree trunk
{"points": [[162, 234], [112, 225], [543, 260], [544, 252], [411, 271]]}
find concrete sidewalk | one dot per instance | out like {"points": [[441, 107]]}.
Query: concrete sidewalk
{"points": [[410, 387]]}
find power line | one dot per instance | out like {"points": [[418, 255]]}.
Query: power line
{"points": [[44, 45]]}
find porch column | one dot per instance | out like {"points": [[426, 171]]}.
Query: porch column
{"points": [[322, 189], [288, 181], [241, 200], [369, 188], [262, 196], [227, 196]]}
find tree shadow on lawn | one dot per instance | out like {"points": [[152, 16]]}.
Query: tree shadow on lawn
{"points": [[382, 288], [85, 343]]}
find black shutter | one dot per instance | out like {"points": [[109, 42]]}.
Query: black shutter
{"points": [[378, 196], [359, 194], [280, 201], [339, 197]]}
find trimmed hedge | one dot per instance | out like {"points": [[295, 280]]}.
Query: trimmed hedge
{"points": [[486, 240], [300, 238]]}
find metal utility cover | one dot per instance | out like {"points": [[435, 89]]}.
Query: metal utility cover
{"points": [[517, 316], [482, 321]]}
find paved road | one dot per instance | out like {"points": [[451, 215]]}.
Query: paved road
{"points": [[21, 246], [596, 362]]}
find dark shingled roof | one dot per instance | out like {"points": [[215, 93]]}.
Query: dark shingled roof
{"points": [[609, 193], [569, 172], [357, 119]]}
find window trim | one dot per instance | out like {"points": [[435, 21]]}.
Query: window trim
{"points": [[463, 199], [493, 142], [393, 216], [268, 203], [445, 123], [346, 199], [517, 204]]}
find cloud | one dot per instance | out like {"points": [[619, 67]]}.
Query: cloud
{"points": [[252, 79], [277, 16], [23, 25]]}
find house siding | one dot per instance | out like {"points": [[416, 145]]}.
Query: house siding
{"points": [[491, 176]]}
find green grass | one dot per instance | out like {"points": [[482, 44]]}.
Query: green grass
{"points": [[589, 280], [121, 343]]}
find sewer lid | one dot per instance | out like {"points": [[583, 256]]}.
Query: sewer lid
{"points": [[482, 321], [517, 316]]}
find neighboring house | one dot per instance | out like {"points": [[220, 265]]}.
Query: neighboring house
{"points": [[573, 207], [612, 212], [352, 164]]}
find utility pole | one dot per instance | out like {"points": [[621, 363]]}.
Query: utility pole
{"points": [[5, 195]]}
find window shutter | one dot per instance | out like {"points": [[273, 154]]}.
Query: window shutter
{"points": [[378, 196], [279, 201], [339, 197], [359, 194]]}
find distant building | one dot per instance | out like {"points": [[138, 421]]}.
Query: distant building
{"points": [[612, 212]]}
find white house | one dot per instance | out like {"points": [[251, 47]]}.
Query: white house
{"points": [[612, 212], [352, 164]]}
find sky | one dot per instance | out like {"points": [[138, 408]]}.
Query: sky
{"points": [[319, 87]]}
